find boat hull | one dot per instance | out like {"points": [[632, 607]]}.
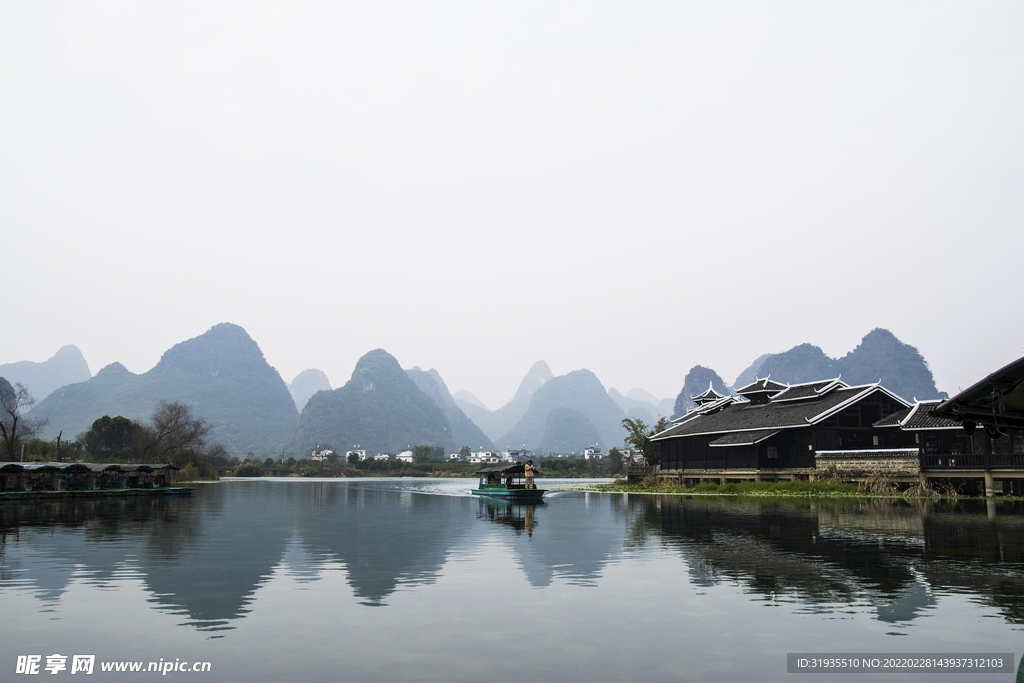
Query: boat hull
{"points": [[511, 494]]}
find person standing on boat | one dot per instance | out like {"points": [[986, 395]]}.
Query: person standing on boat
{"points": [[528, 470]]}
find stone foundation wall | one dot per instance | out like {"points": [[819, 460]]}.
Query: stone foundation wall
{"points": [[889, 461]]}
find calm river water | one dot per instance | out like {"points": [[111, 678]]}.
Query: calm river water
{"points": [[415, 580]]}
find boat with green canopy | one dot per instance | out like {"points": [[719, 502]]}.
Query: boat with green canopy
{"points": [[507, 482]]}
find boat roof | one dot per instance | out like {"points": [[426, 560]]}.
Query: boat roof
{"points": [[514, 468]]}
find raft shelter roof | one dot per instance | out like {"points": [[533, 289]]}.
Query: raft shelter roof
{"points": [[105, 467], [70, 467]]}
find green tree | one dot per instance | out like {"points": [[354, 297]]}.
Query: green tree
{"points": [[638, 435], [110, 439], [423, 453], [614, 461]]}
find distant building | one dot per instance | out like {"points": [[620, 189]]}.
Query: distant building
{"points": [[320, 454], [485, 457], [517, 455], [630, 456]]}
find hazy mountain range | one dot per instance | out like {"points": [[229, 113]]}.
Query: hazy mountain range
{"points": [[880, 356], [380, 409], [67, 366], [642, 405], [222, 374], [497, 423], [384, 408], [464, 431]]}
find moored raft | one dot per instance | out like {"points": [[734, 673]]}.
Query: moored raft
{"points": [[48, 480]]}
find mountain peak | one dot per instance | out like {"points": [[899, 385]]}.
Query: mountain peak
{"points": [[466, 397], [880, 335], [115, 369], [69, 352], [638, 394], [541, 369], [465, 432], [67, 366], [307, 383], [697, 380], [381, 408], [579, 390], [538, 374], [223, 345], [882, 356]]}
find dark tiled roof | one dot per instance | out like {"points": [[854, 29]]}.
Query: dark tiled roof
{"points": [[896, 419], [761, 385], [918, 416], [712, 406], [744, 438], [745, 416], [799, 392]]}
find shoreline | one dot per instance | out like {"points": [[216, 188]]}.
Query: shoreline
{"points": [[779, 490], [803, 490]]}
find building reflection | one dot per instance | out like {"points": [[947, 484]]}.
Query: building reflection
{"points": [[894, 553]]}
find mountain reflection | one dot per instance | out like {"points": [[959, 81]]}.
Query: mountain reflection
{"points": [[383, 537], [206, 557], [891, 552], [573, 536]]}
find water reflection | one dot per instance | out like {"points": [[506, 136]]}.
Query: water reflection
{"points": [[207, 557], [519, 516], [893, 554]]}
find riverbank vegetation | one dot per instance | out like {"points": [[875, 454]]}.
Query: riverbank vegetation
{"points": [[332, 466], [741, 488], [874, 486]]}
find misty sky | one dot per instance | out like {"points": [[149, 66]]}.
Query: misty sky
{"points": [[633, 188]]}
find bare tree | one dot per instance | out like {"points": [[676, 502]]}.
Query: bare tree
{"points": [[14, 426], [173, 429]]}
